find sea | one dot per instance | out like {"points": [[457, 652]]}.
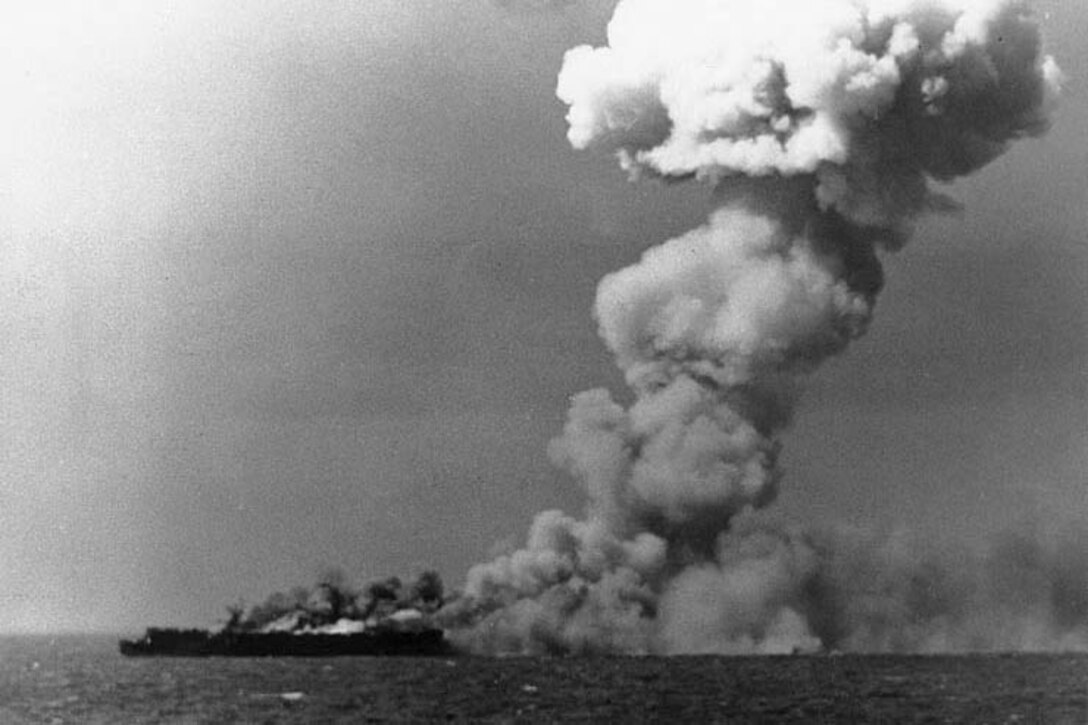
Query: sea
{"points": [[84, 679]]}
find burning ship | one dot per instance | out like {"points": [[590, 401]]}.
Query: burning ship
{"points": [[821, 128], [387, 619]]}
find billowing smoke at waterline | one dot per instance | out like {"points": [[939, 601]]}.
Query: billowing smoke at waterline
{"points": [[821, 126]]}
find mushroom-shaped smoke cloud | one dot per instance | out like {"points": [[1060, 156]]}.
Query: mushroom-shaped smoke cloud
{"points": [[821, 124]]}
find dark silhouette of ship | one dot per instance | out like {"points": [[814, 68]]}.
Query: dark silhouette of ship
{"points": [[378, 641]]}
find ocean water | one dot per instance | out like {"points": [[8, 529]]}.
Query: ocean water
{"points": [[85, 680]]}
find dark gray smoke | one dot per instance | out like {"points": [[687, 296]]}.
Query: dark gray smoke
{"points": [[333, 605], [772, 590], [821, 125]]}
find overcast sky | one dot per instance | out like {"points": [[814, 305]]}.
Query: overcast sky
{"points": [[286, 285]]}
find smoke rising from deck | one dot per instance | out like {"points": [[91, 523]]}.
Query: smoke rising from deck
{"points": [[821, 126], [334, 606]]}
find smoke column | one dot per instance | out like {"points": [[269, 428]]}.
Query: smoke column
{"points": [[821, 125]]}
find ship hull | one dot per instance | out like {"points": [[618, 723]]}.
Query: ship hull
{"points": [[200, 643]]}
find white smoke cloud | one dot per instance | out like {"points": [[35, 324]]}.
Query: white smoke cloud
{"points": [[821, 124], [870, 99]]}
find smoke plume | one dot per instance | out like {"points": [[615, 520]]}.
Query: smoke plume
{"points": [[821, 125], [333, 606]]}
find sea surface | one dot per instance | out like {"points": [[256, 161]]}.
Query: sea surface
{"points": [[83, 679]]}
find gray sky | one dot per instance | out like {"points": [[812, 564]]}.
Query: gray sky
{"points": [[294, 284]]}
